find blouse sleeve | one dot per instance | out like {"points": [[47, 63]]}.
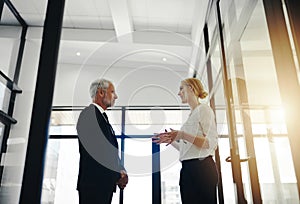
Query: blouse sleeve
{"points": [[208, 125], [175, 144]]}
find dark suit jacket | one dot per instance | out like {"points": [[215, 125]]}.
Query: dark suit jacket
{"points": [[99, 165]]}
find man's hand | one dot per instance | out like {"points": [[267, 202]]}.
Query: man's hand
{"points": [[123, 180]]}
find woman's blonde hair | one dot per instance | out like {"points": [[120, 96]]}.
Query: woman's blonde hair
{"points": [[197, 87]]}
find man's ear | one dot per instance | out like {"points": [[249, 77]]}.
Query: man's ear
{"points": [[100, 92]]}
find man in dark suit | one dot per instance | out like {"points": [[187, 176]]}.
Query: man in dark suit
{"points": [[100, 169]]}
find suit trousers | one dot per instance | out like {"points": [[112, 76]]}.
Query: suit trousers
{"points": [[198, 181], [95, 196]]}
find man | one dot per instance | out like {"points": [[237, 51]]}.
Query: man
{"points": [[100, 169]]}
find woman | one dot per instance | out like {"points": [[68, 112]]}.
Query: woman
{"points": [[196, 141]]}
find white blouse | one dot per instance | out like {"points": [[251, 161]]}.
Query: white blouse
{"points": [[201, 122]]}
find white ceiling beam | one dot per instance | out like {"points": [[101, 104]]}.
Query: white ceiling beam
{"points": [[200, 13], [70, 34], [106, 36], [163, 38], [122, 20]]}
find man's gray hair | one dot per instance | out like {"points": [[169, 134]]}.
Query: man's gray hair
{"points": [[98, 83]]}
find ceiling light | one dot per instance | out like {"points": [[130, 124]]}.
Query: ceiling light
{"points": [[78, 53], [164, 59]]}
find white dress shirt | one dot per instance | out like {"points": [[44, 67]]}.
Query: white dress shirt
{"points": [[201, 122], [100, 109]]}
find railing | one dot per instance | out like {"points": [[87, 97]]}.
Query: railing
{"points": [[5, 118]]}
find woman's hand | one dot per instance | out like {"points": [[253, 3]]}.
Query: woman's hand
{"points": [[167, 137]]}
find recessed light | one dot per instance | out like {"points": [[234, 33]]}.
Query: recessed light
{"points": [[78, 53], [164, 59]]}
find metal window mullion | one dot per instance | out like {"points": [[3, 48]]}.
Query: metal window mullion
{"points": [[156, 177], [293, 7], [1, 8], [121, 200]]}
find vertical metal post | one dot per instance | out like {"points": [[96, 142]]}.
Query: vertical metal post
{"points": [[1, 8], [286, 75], [234, 152], [156, 180], [212, 105], [293, 7], [122, 148], [38, 134]]}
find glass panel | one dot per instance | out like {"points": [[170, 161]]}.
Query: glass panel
{"points": [[138, 164], [232, 8], [8, 18], [170, 174], [253, 55], [9, 44], [1, 134], [228, 185], [4, 97], [64, 122], [212, 24], [201, 64], [61, 171], [276, 170], [221, 122], [147, 122], [239, 5], [257, 58], [291, 39], [245, 169]]}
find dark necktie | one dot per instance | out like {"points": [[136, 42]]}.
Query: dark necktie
{"points": [[106, 118]]}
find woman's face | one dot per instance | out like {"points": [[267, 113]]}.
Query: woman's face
{"points": [[184, 91]]}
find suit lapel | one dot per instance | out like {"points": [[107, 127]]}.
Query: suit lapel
{"points": [[106, 127]]}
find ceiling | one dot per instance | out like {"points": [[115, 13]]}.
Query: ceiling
{"points": [[158, 32], [113, 14]]}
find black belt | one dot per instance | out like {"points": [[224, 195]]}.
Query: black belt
{"points": [[196, 159]]}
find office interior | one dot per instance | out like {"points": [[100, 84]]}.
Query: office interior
{"points": [[246, 53]]}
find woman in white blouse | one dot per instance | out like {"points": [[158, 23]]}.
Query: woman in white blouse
{"points": [[196, 141]]}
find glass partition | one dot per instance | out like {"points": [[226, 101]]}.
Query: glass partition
{"points": [[250, 60], [140, 123]]}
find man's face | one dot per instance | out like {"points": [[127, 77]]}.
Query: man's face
{"points": [[109, 97]]}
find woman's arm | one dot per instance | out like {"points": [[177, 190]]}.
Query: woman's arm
{"points": [[173, 135], [199, 141]]}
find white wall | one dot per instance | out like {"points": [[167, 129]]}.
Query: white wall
{"points": [[149, 85]]}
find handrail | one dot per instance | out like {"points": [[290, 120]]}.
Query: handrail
{"points": [[6, 119], [9, 83], [140, 107], [171, 107]]}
